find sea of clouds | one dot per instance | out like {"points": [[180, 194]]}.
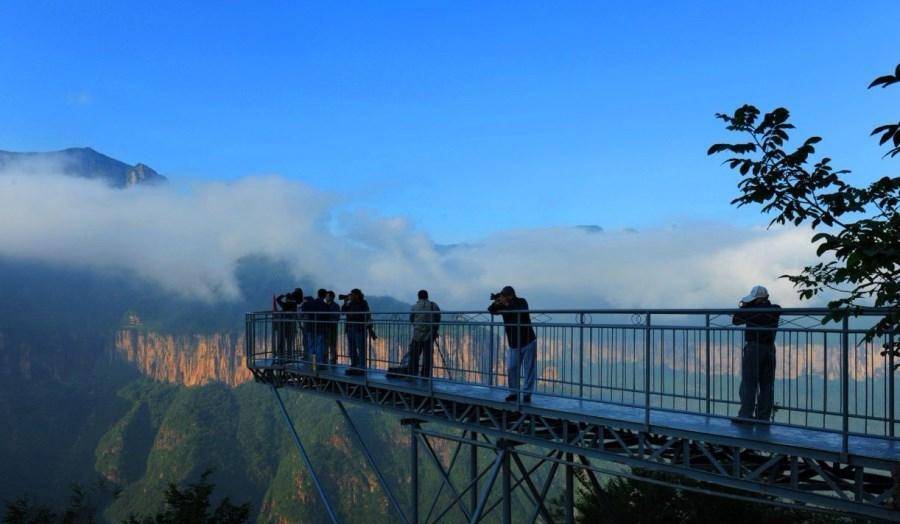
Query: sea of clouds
{"points": [[190, 241]]}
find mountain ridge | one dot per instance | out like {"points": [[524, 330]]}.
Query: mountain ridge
{"points": [[82, 162]]}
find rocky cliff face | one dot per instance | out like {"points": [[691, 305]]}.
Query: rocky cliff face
{"points": [[190, 360]]}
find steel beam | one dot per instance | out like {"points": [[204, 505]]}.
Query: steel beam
{"points": [[362, 443], [312, 472], [506, 514]]}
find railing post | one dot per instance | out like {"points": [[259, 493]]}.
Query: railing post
{"points": [[647, 337], [708, 371], [581, 356], [845, 388], [247, 357], [890, 372], [273, 337], [491, 354]]}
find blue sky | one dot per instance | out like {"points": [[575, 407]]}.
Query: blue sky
{"points": [[466, 118]]}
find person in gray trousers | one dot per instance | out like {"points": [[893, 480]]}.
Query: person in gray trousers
{"points": [[425, 318]]}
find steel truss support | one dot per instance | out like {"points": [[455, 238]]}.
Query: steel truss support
{"points": [[383, 481], [309, 467], [781, 473], [506, 472]]}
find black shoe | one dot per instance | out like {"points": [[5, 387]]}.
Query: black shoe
{"points": [[512, 397], [526, 398], [742, 420]]}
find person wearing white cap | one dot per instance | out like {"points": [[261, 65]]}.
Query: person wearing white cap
{"points": [[758, 358]]}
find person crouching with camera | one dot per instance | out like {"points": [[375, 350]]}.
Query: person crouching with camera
{"points": [[359, 329], [520, 357]]}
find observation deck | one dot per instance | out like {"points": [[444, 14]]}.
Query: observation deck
{"points": [[623, 392]]}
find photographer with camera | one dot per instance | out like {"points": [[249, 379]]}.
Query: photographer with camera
{"points": [[285, 325], [359, 329], [521, 339]]}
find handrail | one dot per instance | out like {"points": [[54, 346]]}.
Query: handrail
{"points": [[864, 311], [829, 376]]}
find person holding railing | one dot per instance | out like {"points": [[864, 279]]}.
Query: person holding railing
{"points": [[521, 339], [757, 390], [285, 325], [359, 329], [333, 316], [425, 319]]}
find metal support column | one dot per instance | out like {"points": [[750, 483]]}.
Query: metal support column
{"points": [[413, 468], [506, 515], [473, 471], [312, 473], [371, 459], [570, 489], [486, 488]]}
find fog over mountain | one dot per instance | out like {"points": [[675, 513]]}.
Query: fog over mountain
{"points": [[190, 242]]}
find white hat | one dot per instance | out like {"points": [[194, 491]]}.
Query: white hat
{"points": [[756, 292]]}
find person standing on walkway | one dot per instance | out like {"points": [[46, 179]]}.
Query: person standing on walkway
{"points": [[520, 357], [285, 325], [359, 329], [315, 312], [757, 390], [425, 318], [331, 327]]}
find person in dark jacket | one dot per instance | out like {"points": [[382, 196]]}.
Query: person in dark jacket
{"points": [[359, 329], [331, 327], [307, 306], [315, 325], [425, 319], [520, 357], [285, 325], [758, 357]]}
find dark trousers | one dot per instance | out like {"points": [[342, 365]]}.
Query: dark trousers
{"points": [[356, 346], [757, 381], [286, 333], [423, 349], [331, 343]]}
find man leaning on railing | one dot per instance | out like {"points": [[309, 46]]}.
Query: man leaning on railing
{"points": [[758, 357], [521, 338]]}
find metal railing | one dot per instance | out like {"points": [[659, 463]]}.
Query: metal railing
{"points": [[828, 376]]}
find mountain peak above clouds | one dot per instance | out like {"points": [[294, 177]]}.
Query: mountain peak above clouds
{"points": [[82, 162]]}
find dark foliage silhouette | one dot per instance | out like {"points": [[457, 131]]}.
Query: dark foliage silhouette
{"points": [[858, 227], [640, 502], [191, 505]]}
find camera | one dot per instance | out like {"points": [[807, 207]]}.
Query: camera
{"points": [[344, 297], [495, 296]]}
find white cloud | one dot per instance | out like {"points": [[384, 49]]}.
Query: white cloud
{"points": [[190, 242]]}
